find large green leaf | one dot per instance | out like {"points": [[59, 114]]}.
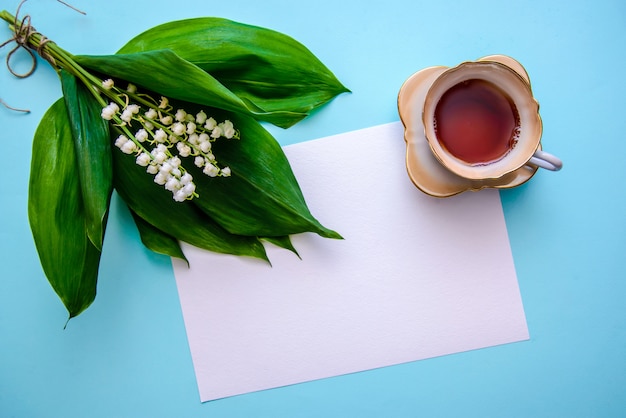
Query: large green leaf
{"points": [[262, 197], [164, 72], [263, 66], [181, 220], [156, 240], [93, 154], [57, 215], [283, 242]]}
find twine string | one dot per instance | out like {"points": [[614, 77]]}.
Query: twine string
{"points": [[22, 33]]}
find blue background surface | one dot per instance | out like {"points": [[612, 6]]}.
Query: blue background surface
{"points": [[127, 356]]}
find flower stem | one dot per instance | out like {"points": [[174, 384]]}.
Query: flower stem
{"points": [[27, 37]]}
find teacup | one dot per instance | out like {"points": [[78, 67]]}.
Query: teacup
{"points": [[482, 122]]}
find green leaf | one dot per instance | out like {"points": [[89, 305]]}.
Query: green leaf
{"points": [[166, 73], [181, 220], [283, 242], [262, 197], [260, 65], [158, 241], [57, 215], [93, 154]]}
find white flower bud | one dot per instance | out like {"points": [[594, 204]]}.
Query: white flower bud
{"points": [[107, 84], [201, 117], [133, 108], [210, 124], [160, 157], [129, 147], [131, 88], [160, 178], [175, 161], [229, 129], [143, 159], [189, 188], [184, 150], [217, 132], [199, 161], [127, 115], [194, 139], [160, 135], [151, 114], [152, 169], [167, 120], [120, 141], [173, 184], [178, 128], [141, 135], [229, 133], [164, 103], [180, 196], [166, 168], [191, 128], [181, 115], [186, 179], [226, 171], [205, 146], [210, 170], [107, 113]]}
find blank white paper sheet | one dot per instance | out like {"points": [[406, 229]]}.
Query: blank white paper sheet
{"points": [[415, 277]]}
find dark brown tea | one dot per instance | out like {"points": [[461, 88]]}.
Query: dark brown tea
{"points": [[476, 122]]}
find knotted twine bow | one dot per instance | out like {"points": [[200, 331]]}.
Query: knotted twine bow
{"points": [[23, 30]]}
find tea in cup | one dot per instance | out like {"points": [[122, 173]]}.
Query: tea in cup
{"points": [[482, 122]]}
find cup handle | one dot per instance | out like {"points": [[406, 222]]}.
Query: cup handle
{"points": [[546, 160]]}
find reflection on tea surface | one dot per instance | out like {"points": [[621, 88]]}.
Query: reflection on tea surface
{"points": [[476, 122]]}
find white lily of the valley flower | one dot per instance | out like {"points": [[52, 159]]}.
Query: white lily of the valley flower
{"points": [[129, 147], [180, 195], [173, 184], [141, 135], [172, 136], [151, 114], [186, 179], [181, 115], [210, 124], [160, 178], [143, 159], [109, 111], [160, 136], [210, 170], [178, 128], [191, 128], [120, 141], [201, 117], [228, 129], [205, 146], [217, 132]]}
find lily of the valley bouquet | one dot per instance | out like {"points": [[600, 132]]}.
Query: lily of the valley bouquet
{"points": [[171, 122]]}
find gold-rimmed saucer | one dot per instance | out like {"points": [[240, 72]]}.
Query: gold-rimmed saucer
{"points": [[424, 170]]}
